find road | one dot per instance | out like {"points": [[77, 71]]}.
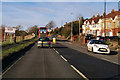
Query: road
{"points": [[61, 62], [41, 63]]}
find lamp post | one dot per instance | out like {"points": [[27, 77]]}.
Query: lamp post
{"points": [[71, 28], [79, 25]]}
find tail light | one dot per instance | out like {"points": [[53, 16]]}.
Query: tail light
{"points": [[37, 41], [48, 41], [101, 39], [109, 39]]}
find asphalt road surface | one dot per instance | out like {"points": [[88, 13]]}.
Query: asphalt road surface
{"points": [[41, 63], [61, 62]]}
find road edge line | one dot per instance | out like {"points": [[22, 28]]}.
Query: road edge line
{"points": [[10, 67]]}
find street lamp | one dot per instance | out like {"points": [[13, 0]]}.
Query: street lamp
{"points": [[71, 27], [79, 25]]}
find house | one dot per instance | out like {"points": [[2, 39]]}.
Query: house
{"points": [[95, 25]]}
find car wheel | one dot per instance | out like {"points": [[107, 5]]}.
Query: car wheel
{"points": [[92, 49], [88, 50]]}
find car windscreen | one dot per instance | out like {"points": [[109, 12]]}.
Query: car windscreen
{"points": [[99, 42]]}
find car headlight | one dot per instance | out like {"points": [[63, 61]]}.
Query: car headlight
{"points": [[107, 47], [96, 46]]}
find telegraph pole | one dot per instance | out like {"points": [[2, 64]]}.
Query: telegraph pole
{"points": [[79, 26], [119, 19], [104, 18]]}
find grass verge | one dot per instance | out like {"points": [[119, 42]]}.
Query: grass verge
{"points": [[8, 52]]}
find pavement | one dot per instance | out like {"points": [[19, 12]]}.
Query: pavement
{"points": [[113, 57], [62, 62]]}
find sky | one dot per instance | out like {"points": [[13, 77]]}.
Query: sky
{"points": [[31, 13], [59, 0]]}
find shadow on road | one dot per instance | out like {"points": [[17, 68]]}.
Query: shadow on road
{"points": [[9, 60], [62, 40], [111, 53], [59, 47]]}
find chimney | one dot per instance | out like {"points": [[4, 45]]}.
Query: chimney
{"points": [[112, 11], [104, 14], [66, 22], [98, 15], [93, 16]]}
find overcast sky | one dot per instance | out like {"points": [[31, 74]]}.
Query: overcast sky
{"points": [[28, 14]]}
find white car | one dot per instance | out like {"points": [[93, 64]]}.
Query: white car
{"points": [[98, 46]]}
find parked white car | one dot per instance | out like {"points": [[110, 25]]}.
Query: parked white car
{"points": [[98, 46]]}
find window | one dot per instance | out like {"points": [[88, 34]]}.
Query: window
{"points": [[100, 25], [103, 25], [109, 24], [118, 23], [91, 42], [94, 32]]}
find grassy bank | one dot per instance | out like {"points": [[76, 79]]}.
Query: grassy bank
{"points": [[16, 49]]}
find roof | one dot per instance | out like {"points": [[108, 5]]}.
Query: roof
{"points": [[113, 14], [110, 15]]}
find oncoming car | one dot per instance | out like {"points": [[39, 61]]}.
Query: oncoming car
{"points": [[43, 42], [98, 46]]}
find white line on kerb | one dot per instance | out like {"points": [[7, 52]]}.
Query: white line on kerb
{"points": [[11, 66], [63, 58], [79, 72]]}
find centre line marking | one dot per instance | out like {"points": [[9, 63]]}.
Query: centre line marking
{"points": [[63, 58], [79, 72], [53, 48], [57, 52]]}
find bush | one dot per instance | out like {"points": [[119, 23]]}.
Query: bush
{"points": [[67, 34], [77, 39]]}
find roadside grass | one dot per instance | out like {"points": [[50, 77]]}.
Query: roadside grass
{"points": [[7, 42], [8, 52]]}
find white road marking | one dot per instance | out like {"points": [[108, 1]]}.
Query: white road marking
{"points": [[57, 52], [63, 58], [69, 42], [11, 66], [79, 72], [109, 61], [53, 48]]}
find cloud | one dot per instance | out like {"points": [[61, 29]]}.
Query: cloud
{"points": [[40, 13]]}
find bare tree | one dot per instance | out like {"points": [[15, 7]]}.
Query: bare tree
{"points": [[78, 16], [18, 27], [50, 25], [33, 29]]}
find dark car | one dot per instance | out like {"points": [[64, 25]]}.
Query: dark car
{"points": [[108, 38], [89, 36], [44, 42]]}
